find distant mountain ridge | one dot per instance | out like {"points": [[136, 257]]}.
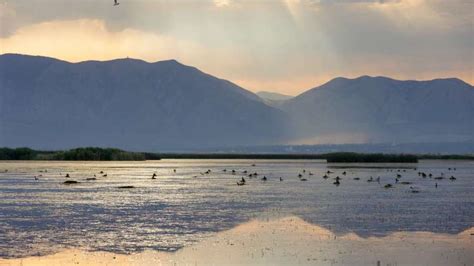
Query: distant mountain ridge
{"points": [[127, 103], [380, 109], [131, 104]]}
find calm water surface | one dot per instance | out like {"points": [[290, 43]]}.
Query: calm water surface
{"points": [[179, 208]]}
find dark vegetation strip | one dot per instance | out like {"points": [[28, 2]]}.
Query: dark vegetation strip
{"points": [[349, 157], [110, 154], [446, 157], [79, 154]]}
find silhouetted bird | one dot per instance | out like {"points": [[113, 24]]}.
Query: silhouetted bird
{"points": [[241, 182]]}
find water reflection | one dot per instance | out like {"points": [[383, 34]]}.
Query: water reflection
{"points": [[288, 241]]}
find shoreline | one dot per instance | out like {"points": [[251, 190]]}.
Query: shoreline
{"points": [[113, 154]]}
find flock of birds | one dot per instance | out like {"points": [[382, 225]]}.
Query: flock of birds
{"points": [[337, 179], [303, 175]]}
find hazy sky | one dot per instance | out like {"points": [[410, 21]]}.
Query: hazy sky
{"points": [[284, 46]]}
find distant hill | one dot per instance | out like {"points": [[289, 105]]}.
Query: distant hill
{"points": [[167, 106], [383, 110], [131, 104], [272, 98]]}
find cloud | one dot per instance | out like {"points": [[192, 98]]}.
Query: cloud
{"points": [[354, 1], [222, 3], [77, 40], [8, 22]]}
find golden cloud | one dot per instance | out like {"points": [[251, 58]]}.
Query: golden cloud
{"points": [[83, 39]]}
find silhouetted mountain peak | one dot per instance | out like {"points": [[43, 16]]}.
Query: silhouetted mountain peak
{"points": [[381, 109], [127, 103]]}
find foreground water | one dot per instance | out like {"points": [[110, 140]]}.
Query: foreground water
{"points": [[180, 208]]}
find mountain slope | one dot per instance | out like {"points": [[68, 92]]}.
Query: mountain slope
{"points": [[51, 104], [379, 109], [272, 98], [131, 104]]}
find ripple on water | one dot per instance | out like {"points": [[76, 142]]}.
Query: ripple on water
{"points": [[177, 209]]}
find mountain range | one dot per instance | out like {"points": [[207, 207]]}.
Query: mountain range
{"points": [[51, 104], [383, 110], [47, 103]]}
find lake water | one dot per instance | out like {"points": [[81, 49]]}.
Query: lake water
{"points": [[180, 208]]}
